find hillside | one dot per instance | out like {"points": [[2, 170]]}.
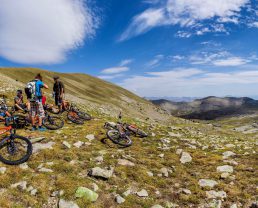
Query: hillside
{"points": [[210, 107], [181, 164], [94, 93]]}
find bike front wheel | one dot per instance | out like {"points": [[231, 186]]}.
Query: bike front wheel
{"points": [[116, 137], [74, 117], [53, 122], [16, 150]]}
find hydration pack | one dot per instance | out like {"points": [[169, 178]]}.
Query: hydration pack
{"points": [[30, 89]]}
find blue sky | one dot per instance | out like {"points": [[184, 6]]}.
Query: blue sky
{"points": [[154, 48]]}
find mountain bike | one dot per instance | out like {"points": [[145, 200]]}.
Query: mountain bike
{"points": [[14, 149], [120, 135], [132, 128], [74, 114], [49, 121]]}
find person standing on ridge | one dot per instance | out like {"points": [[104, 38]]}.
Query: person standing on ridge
{"points": [[59, 91], [34, 94]]}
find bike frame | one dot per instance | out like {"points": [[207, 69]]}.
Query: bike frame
{"points": [[4, 130]]}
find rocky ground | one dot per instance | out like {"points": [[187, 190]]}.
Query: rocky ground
{"points": [[181, 164]]}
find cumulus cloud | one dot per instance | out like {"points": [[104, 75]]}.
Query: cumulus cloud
{"points": [[115, 70], [193, 82], [187, 14], [43, 31]]}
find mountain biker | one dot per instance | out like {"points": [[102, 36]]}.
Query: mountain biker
{"points": [[18, 102], [4, 112], [36, 106], [58, 90]]}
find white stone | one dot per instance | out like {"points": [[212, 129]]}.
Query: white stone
{"points": [[142, 193], [179, 151], [67, 204], [45, 170], [2, 170], [78, 144], [228, 154], [207, 183], [90, 137], [185, 158], [149, 173], [119, 199], [22, 185], [216, 194], [24, 166], [66, 144], [125, 162], [164, 172], [225, 168]]}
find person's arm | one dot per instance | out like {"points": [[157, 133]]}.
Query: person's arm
{"points": [[45, 86], [18, 106]]}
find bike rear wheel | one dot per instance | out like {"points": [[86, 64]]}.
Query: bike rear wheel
{"points": [[74, 117], [84, 116], [116, 137], [16, 150], [53, 122]]}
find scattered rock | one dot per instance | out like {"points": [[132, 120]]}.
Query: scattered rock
{"points": [[67, 204], [22, 185], [157, 206], [142, 193], [101, 173], [224, 175], [225, 168], [90, 137], [66, 144], [38, 139], [119, 199], [78, 144], [228, 154], [38, 146], [186, 191], [95, 187], [164, 172], [127, 193], [179, 151], [83, 192], [45, 170], [185, 158], [125, 162], [216, 194], [207, 183], [2, 170], [24, 166], [149, 173], [161, 155], [99, 159]]}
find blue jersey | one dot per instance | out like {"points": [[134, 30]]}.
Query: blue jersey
{"points": [[39, 85]]}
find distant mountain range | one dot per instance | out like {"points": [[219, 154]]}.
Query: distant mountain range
{"points": [[174, 99], [209, 108]]}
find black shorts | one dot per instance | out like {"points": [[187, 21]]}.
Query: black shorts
{"points": [[58, 100]]}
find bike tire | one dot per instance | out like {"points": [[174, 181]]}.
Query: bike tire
{"points": [[84, 116], [53, 122], [73, 117], [138, 132], [117, 139], [22, 159]]}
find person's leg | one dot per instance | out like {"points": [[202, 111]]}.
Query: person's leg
{"points": [[41, 114], [33, 113]]}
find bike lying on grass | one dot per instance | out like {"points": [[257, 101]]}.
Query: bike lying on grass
{"points": [[74, 114], [49, 121], [14, 149], [119, 132]]}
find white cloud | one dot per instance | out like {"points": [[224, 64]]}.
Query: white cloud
{"points": [[254, 24], [43, 31], [115, 70], [233, 61], [155, 62], [193, 82], [221, 58], [107, 77], [187, 14], [126, 62]]}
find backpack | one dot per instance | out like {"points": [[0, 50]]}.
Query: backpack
{"points": [[30, 89]]}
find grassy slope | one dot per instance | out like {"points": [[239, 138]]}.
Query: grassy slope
{"points": [[204, 142]]}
